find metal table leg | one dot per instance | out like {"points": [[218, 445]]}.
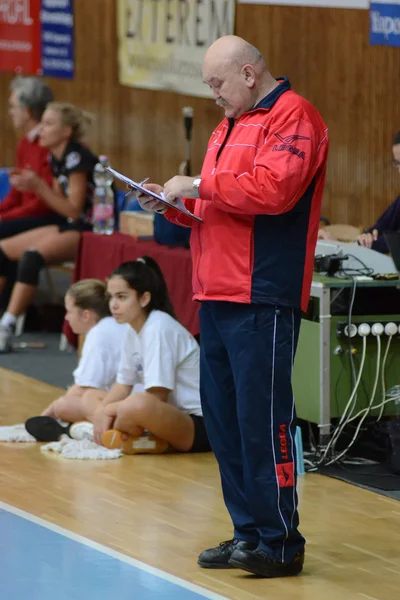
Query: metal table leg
{"points": [[325, 373]]}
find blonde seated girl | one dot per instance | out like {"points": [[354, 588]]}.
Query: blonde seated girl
{"points": [[87, 311]]}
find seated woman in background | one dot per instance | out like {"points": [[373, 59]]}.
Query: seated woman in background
{"points": [[22, 210], [388, 221], [62, 128], [87, 312], [161, 357]]}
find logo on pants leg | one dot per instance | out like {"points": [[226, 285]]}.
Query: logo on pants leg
{"points": [[285, 474], [285, 469], [283, 442]]}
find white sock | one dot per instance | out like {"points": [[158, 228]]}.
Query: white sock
{"points": [[8, 320]]}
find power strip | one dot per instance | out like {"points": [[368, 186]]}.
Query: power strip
{"points": [[367, 328]]}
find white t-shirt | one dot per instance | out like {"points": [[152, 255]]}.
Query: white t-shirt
{"points": [[101, 354], [163, 354]]}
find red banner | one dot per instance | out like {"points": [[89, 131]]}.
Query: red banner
{"points": [[20, 45]]}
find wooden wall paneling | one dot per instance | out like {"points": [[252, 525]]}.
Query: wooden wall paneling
{"points": [[7, 135], [324, 51]]}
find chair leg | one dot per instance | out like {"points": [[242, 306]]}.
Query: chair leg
{"points": [[19, 325], [51, 285], [64, 345]]}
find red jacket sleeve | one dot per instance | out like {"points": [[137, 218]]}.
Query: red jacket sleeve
{"points": [[283, 169], [179, 218]]}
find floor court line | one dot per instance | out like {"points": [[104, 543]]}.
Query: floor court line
{"points": [[41, 561]]}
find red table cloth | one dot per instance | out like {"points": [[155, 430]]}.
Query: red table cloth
{"points": [[99, 255]]}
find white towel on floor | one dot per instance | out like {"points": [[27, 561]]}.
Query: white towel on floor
{"points": [[15, 433], [83, 449]]}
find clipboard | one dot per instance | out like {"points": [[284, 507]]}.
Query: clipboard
{"points": [[138, 187]]}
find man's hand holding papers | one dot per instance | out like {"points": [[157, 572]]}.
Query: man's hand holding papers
{"points": [[148, 202]]}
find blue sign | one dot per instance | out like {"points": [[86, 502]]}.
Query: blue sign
{"points": [[385, 23], [57, 35]]}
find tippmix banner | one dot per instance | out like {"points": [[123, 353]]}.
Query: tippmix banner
{"points": [[385, 23], [37, 37], [162, 44]]}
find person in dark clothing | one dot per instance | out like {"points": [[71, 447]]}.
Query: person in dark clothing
{"points": [[373, 237], [69, 195], [390, 219]]}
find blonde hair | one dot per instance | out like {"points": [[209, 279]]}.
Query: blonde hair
{"points": [[71, 116], [90, 294]]}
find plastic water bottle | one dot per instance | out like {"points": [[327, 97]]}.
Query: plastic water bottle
{"points": [[103, 199]]}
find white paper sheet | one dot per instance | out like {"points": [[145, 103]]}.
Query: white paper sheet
{"points": [[179, 205]]}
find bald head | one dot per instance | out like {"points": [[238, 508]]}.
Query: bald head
{"points": [[235, 50], [237, 74]]}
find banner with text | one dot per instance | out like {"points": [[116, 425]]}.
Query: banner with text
{"points": [[37, 37], [319, 3], [162, 44], [385, 23]]}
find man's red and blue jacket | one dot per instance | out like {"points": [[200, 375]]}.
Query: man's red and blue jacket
{"points": [[260, 199]]}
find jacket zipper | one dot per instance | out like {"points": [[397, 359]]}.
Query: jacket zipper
{"points": [[228, 133]]}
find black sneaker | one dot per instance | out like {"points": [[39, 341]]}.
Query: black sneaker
{"points": [[259, 563], [218, 557], [46, 429]]}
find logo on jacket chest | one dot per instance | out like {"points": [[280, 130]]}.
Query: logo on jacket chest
{"points": [[289, 148], [287, 144]]}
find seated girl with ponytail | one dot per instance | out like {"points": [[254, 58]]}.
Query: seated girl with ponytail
{"points": [[160, 358], [61, 130], [87, 311], [159, 353]]}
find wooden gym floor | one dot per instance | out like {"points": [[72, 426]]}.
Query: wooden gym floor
{"points": [[163, 510]]}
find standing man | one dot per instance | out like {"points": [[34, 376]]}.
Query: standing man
{"points": [[259, 195]]}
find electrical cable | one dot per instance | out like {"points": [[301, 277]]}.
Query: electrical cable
{"points": [[366, 411], [349, 403], [350, 313], [366, 271], [383, 403], [339, 456], [379, 417]]}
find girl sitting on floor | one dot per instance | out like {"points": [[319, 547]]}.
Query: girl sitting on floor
{"points": [[87, 311], [160, 355], [62, 128]]}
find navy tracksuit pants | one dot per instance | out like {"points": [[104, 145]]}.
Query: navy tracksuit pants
{"points": [[247, 353]]}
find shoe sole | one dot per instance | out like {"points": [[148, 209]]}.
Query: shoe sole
{"points": [[262, 573], [112, 439], [205, 565], [45, 429]]}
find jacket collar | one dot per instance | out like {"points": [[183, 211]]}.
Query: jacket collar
{"points": [[269, 100]]}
